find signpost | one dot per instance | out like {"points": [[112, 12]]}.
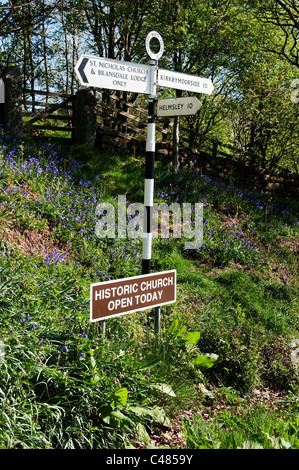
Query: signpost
{"points": [[113, 74], [114, 298], [131, 294], [178, 106], [183, 81], [129, 76]]}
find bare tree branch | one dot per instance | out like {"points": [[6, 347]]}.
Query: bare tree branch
{"points": [[284, 14], [20, 17]]}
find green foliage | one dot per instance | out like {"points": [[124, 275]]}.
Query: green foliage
{"points": [[248, 50], [256, 429], [63, 383]]}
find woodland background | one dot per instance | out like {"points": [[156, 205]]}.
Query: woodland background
{"points": [[248, 49]]}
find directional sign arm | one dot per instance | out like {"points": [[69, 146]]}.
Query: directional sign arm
{"points": [[81, 70], [185, 106], [113, 74], [183, 81]]}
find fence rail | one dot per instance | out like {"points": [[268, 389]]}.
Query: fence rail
{"points": [[130, 120], [48, 110], [127, 119], [91, 120]]}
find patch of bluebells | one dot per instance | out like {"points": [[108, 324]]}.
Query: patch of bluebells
{"points": [[259, 202], [64, 349], [25, 319], [102, 276], [33, 160], [202, 183], [73, 210], [20, 163], [229, 241], [55, 257]]}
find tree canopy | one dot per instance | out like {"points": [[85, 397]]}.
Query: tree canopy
{"points": [[249, 49]]}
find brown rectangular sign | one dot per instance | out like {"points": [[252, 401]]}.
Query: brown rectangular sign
{"points": [[131, 294]]}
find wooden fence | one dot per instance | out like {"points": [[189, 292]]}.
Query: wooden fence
{"points": [[115, 120], [112, 117], [130, 121], [127, 120], [40, 111]]}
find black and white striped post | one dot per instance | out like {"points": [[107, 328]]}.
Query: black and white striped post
{"points": [[150, 164], [149, 175]]}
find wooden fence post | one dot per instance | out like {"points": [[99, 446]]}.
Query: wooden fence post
{"points": [[11, 112], [215, 148], [84, 117]]}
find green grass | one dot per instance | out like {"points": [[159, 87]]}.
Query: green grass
{"points": [[47, 133], [255, 429], [64, 384]]}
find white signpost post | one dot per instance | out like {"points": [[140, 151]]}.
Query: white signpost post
{"points": [[113, 74]]}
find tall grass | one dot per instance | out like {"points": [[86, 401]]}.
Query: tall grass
{"points": [[254, 429], [63, 383]]}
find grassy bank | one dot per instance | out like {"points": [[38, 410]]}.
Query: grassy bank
{"points": [[226, 355]]}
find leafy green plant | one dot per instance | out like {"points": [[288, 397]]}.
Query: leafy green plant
{"points": [[118, 413], [63, 384], [249, 430]]}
